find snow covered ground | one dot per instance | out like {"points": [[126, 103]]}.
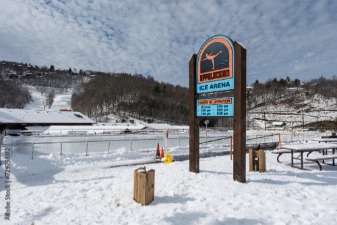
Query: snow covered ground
{"points": [[73, 188], [76, 189]]}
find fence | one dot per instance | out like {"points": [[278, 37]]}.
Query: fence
{"points": [[86, 145]]}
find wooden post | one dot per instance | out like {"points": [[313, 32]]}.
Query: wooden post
{"points": [[262, 161], [194, 122], [239, 164], [143, 190], [135, 184], [251, 160]]}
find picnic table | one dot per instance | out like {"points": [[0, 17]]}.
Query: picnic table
{"points": [[327, 140], [309, 148]]}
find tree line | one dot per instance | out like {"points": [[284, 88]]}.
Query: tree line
{"points": [[289, 92], [131, 95], [13, 94]]}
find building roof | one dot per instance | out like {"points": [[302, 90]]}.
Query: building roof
{"points": [[279, 123], [23, 116]]}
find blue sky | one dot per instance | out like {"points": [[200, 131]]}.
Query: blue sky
{"points": [[157, 38]]}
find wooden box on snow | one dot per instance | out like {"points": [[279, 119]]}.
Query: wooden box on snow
{"points": [[257, 160], [143, 190]]}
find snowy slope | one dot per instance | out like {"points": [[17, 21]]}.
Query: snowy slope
{"points": [[38, 99], [61, 101]]}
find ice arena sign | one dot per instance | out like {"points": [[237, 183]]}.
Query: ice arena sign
{"points": [[219, 69]]}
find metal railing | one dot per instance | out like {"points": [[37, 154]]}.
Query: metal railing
{"points": [[138, 143], [86, 146]]}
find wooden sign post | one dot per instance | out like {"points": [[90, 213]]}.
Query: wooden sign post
{"points": [[239, 162], [194, 121], [219, 66]]}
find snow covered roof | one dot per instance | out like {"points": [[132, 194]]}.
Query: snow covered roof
{"points": [[278, 123], [23, 116]]}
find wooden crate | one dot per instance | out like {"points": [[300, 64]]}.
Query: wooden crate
{"points": [[143, 190]]}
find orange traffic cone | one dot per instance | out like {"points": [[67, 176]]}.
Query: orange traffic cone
{"points": [[158, 152], [162, 154]]}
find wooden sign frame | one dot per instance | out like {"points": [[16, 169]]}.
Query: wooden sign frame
{"points": [[239, 162]]}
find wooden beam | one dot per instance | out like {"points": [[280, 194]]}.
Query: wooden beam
{"points": [[239, 162], [194, 122]]}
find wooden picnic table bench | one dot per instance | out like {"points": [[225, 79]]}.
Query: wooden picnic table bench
{"points": [[306, 147], [322, 158], [286, 151], [280, 152]]}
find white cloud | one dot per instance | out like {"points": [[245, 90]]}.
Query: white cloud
{"points": [[157, 38]]}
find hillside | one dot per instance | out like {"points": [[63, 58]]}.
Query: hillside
{"points": [[312, 105], [99, 95], [135, 96], [17, 78]]}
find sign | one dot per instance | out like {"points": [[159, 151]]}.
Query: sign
{"points": [[215, 107], [214, 70], [215, 65]]}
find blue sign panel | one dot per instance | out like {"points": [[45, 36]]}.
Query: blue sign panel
{"points": [[215, 65], [214, 86], [215, 107]]}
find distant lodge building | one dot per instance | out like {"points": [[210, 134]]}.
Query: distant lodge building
{"points": [[19, 119]]}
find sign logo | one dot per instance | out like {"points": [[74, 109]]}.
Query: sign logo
{"points": [[215, 65]]}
